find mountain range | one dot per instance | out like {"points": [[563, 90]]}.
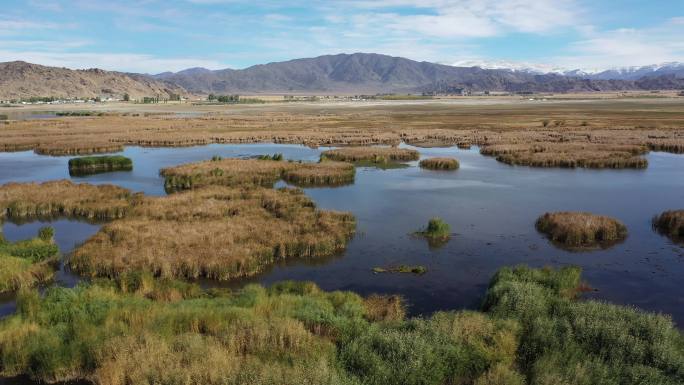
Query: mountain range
{"points": [[342, 73], [21, 80]]}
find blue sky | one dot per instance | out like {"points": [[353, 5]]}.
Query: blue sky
{"points": [[159, 35]]}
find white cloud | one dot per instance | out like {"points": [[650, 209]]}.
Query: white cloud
{"points": [[471, 18], [627, 47]]}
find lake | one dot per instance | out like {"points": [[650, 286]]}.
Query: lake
{"points": [[490, 206]]}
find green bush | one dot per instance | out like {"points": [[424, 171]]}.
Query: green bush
{"points": [[139, 329]]}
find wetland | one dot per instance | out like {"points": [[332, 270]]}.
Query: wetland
{"points": [[243, 229]]}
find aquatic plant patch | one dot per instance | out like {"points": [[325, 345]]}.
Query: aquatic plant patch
{"points": [[261, 172], [670, 223], [581, 229], [27, 263], [445, 164], [28, 201], [371, 154], [215, 232], [98, 164]]}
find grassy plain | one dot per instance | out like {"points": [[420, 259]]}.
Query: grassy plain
{"points": [[573, 132]]}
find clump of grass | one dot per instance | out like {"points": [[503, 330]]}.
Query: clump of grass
{"points": [[565, 341], [385, 308], [234, 172], [439, 164], [97, 164], [670, 223], [19, 201], [215, 232], [581, 229], [371, 154], [27, 263], [436, 229], [275, 157], [417, 269]]}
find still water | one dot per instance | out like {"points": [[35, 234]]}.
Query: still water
{"points": [[491, 207]]}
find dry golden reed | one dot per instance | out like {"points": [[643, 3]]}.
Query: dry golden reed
{"points": [[63, 198], [234, 172], [215, 232], [656, 125], [670, 223], [371, 154], [581, 229], [446, 164]]}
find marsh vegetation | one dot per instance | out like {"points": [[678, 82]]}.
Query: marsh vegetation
{"points": [[444, 164], [581, 229], [417, 269], [377, 155], [215, 232], [605, 134], [30, 201], [569, 155], [98, 164], [670, 223], [138, 329], [261, 172], [29, 262]]}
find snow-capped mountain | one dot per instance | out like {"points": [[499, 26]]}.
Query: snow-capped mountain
{"points": [[617, 73]]}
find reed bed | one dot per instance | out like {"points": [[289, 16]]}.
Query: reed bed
{"points": [[99, 164], [443, 164], [27, 263], [371, 154], [581, 229], [568, 156], [215, 232], [138, 329], [21, 201], [599, 126], [234, 172], [670, 223]]}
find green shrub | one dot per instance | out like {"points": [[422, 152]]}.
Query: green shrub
{"points": [[96, 164]]}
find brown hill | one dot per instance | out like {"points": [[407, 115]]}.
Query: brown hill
{"points": [[19, 79]]}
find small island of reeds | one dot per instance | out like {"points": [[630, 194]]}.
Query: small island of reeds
{"points": [[99, 164], [21, 202], [580, 230], [445, 164], [215, 232], [437, 233], [27, 263], [262, 172], [670, 223], [378, 155], [569, 155]]}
